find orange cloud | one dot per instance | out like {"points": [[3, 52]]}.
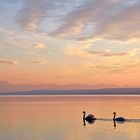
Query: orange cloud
{"points": [[39, 62], [9, 62], [39, 45], [107, 54]]}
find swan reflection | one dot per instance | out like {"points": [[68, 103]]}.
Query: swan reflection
{"points": [[115, 123], [89, 122]]}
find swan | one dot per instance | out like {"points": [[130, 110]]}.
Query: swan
{"points": [[119, 119], [88, 118]]}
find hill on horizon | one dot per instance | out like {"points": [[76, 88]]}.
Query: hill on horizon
{"points": [[107, 91], [6, 86]]}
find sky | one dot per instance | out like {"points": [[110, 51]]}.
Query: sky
{"points": [[85, 42]]}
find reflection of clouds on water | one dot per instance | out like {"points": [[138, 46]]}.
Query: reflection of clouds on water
{"points": [[122, 131], [61, 119], [136, 107], [132, 131]]}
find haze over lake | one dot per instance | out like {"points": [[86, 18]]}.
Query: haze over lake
{"points": [[60, 117]]}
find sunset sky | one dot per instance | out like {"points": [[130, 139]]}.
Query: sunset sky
{"points": [[94, 42]]}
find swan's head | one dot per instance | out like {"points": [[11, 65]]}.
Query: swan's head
{"points": [[84, 112], [114, 113]]}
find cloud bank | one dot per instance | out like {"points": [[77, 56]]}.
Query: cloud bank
{"points": [[108, 19], [83, 19]]}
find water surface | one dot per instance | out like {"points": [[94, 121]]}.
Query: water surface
{"points": [[60, 117]]}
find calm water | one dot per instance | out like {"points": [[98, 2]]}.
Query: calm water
{"points": [[60, 118]]}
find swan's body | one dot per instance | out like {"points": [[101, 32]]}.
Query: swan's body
{"points": [[88, 118], [120, 119]]}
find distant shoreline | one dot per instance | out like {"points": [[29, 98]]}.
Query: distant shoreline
{"points": [[111, 95], [112, 91]]}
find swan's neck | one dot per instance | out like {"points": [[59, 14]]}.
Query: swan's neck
{"points": [[84, 116], [114, 117]]}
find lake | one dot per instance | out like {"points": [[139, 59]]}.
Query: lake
{"points": [[60, 117]]}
